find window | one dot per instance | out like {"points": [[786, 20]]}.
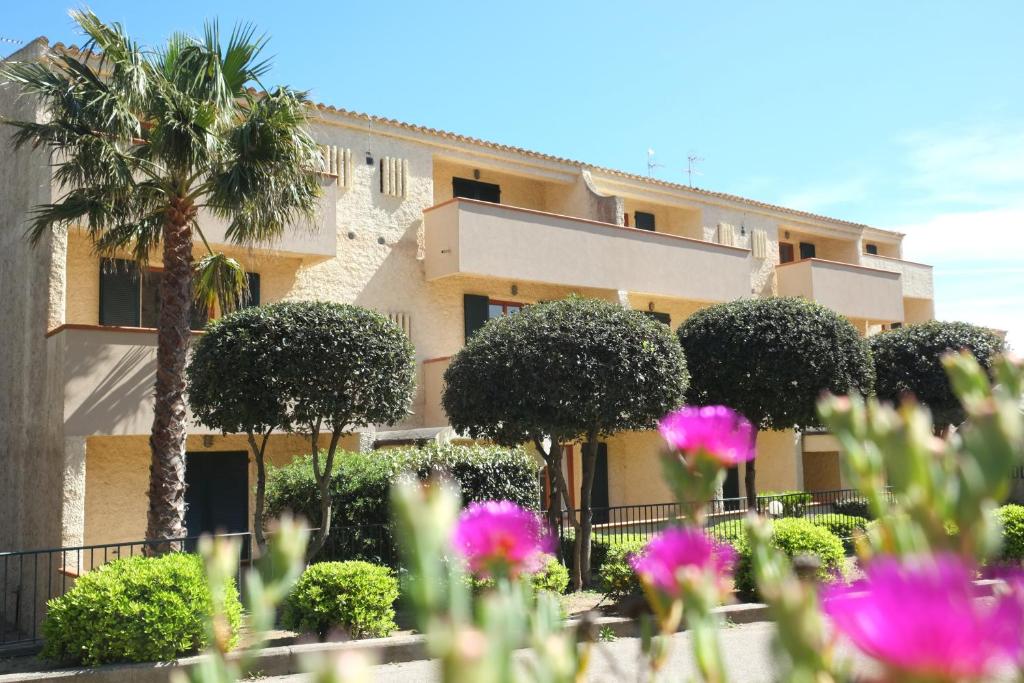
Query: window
{"points": [[131, 298], [474, 189], [871, 248], [786, 252], [478, 309], [807, 250], [643, 220], [660, 317]]}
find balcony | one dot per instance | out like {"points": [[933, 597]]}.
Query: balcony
{"points": [[317, 240], [852, 290], [916, 277], [107, 375], [468, 237]]}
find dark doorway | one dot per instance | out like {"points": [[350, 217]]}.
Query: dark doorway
{"points": [[599, 494], [474, 189], [807, 250], [731, 488], [217, 493]]}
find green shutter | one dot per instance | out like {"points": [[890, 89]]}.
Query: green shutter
{"points": [[476, 314], [660, 317], [119, 293], [643, 220]]}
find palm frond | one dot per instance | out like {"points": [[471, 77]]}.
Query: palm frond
{"points": [[220, 279], [266, 178]]}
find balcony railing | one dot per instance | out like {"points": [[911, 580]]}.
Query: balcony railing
{"points": [[852, 290], [468, 237]]}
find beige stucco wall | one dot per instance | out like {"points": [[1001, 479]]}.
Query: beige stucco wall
{"points": [[117, 478], [32, 281], [853, 291], [917, 278]]}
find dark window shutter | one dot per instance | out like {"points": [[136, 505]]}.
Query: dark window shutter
{"points": [[476, 312], [644, 220], [200, 316], [871, 248], [660, 317], [807, 250], [151, 297], [475, 189], [252, 296], [119, 293]]}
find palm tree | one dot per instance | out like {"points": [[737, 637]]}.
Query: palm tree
{"points": [[141, 139]]}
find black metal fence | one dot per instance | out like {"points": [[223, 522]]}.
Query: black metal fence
{"points": [[725, 515], [29, 579]]}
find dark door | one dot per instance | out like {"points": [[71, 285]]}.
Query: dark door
{"points": [[599, 494], [807, 250], [731, 488], [217, 493], [785, 252], [474, 189]]}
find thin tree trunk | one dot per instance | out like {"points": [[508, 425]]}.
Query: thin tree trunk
{"points": [[750, 477], [258, 454], [166, 517], [323, 484], [582, 551], [553, 462]]}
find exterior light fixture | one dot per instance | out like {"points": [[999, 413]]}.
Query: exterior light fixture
{"points": [[515, 289]]}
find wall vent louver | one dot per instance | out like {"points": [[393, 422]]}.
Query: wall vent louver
{"points": [[393, 175], [338, 163], [727, 234], [759, 243], [403, 320]]}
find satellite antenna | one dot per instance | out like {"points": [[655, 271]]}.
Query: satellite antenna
{"points": [[691, 162], [651, 165]]}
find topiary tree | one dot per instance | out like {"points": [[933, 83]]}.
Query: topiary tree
{"points": [[908, 361], [314, 367], [561, 371], [771, 359]]}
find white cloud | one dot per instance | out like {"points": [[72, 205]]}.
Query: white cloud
{"points": [[979, 265]]}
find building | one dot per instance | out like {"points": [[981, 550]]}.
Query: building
{"points": [[439, 231]]}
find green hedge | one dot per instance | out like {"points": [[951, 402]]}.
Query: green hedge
{"points": [[357, 597], [855, 507], [361, 486], [793, 502], [1012, 519], [617, 576], [554, 578], [794, 537], [845, 527], [136, 609]]}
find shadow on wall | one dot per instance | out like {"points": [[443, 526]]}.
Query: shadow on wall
{"points": [[109, 385]]}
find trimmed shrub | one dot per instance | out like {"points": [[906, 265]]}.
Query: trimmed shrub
{"points": [[855, 507], [136, 609], [554, 578], [617, 576], [794, 537], [1012, 519], [356, 596], [908, 360], [843, 526], [361, 484]]}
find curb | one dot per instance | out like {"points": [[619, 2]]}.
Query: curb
{"points": [[289, 659]]}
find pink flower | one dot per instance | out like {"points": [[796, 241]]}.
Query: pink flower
{"points": [[499, 538], [678, 550], [920, 617], [717, 431]]}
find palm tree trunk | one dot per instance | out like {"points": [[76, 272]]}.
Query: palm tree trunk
{"points": [[166, 518]]}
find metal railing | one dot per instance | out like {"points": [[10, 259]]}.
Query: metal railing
{"points": [[30, 578], [624, 523]]}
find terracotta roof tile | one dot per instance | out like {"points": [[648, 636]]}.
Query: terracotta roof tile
{"points": [[457, 137]]}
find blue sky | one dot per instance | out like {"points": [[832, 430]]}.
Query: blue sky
{"points": [[906, 115]]}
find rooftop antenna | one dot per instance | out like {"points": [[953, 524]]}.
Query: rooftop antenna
{"points": [[651, 165], [691, 162]]}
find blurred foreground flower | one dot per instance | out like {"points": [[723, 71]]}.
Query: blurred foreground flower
{"points": [[679, 554], [500, 539], [716, 431], [920, 617]]}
